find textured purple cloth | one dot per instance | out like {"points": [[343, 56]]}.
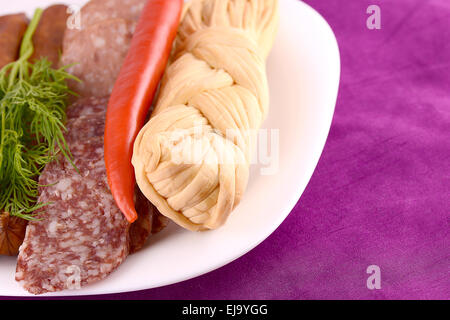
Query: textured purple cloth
{"points": [[380, 193]]}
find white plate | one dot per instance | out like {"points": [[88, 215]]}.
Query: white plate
{"points": [[303, 71]]}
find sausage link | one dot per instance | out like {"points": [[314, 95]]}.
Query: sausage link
{"points": [[49, 35], [12, 233], [12, 29]]}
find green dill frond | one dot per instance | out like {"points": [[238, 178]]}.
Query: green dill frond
{"points": [[33, 100]]}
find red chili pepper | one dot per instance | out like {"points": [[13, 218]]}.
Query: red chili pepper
{"points": [[133, 93]]}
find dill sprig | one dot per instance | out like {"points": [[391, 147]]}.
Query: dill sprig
{"points": [[33, 100]]}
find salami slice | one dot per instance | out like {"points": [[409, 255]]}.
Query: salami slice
{"points": [[98, 11], [97, 54], [82, 236], [86, 107], [85, 127], [141, 229], [99, 46], [150, 221]]}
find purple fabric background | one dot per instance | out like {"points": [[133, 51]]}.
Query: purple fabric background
{"points": [[380, 193]]}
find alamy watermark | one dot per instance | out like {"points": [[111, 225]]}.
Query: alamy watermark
{"points": [[374, 280], [203, 145], [74, 19], [374, 20]]}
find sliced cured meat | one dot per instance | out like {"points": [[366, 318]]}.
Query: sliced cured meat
{"points": [[98, 11], [12, 29], [85, 127], [159, 221], [97, 53], [86, 119], [141, 229], [87, 107], [49, 35], [12, 232], [100, 44], [149, 221], [82, 236]]}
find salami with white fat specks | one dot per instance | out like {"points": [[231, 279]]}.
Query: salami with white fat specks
{"points": [[97, 48], [96, 55], [97, 11], [81, 236]]}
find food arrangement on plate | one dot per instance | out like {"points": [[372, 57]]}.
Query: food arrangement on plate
{"points": [[91, 116]]}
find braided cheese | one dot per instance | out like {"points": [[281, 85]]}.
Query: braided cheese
{"points": [[192, 158]]}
